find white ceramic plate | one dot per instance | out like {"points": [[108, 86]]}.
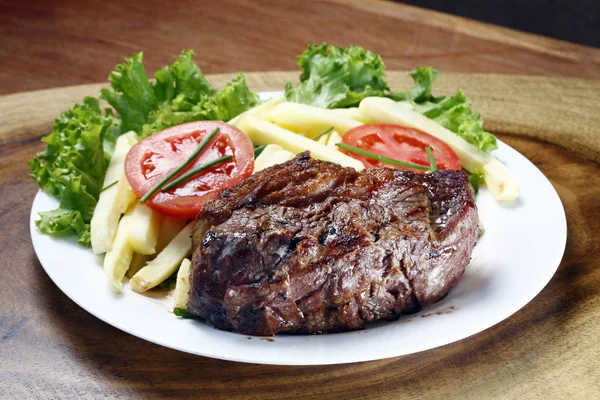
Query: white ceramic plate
{"points": [[515, 258]]}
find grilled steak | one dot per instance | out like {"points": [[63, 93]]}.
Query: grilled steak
{"points": [[309, 246]]}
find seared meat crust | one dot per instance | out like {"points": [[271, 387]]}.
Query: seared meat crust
{"points": [[309, 246]]}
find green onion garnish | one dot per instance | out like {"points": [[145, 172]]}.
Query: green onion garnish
{"points": [[182, 312], [194, 172], [381, 158], [108, 186], [177, 170], [432, 164], [258, 150], [325, 132]]}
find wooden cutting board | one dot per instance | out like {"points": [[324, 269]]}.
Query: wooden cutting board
{"points": [[550, 347]]}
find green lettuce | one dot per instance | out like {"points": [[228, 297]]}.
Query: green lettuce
{"points": [[423, 78], [223, 105], [334, 77], [73, 166], [476, 179], [133, 96], [179, 94], [62, 222], [185, 77]]}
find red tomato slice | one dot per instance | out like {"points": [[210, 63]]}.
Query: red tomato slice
{"points": [[154, 157], [400, 143]]}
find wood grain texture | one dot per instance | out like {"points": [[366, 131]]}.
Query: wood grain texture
{"points": [[51, 348], [66, 42]]}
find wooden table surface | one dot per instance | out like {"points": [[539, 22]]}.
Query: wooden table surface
{"points": [[51, 348]]}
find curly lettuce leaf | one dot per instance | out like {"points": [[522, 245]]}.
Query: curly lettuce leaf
{"points": [[334, 76], [423, 78], [223, 105], [184, 76], [188, 76], [61, 222], [179, 94], [73, 166], [476, 179], [455, 113], [133, 96]]}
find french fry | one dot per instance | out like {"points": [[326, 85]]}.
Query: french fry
{"points": [[137, 262], [182, 285], [354, 113], [169, 228], [143, 227], [260, 110], [263, 132], [334, 138], [271, 155], [310, 119], [118, 257], [115, 199], [165, 263], [497, 177], [499, 181]]}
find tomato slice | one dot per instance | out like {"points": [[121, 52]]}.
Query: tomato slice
{"points": [[154, 157], [400, 143]]}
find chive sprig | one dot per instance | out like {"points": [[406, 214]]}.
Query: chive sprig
{"points": [[382, 159], [195, 171], [432, 163], [325, 132], [258, 150], [109, 186]]}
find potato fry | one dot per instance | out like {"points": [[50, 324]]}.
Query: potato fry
{"points": [[137, 262], [334, 138], [260, 110], [271, 155], [354, 113], [169, 228], [499, 181], [118, 257], [143, 227], [311, 119], [182, 285], [165, 263], [114, 200], [264, 132]]}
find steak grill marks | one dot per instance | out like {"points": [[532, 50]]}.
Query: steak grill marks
{"points": [[309, 246]]}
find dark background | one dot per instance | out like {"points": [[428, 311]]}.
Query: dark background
{"points": [[575, 21]]}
